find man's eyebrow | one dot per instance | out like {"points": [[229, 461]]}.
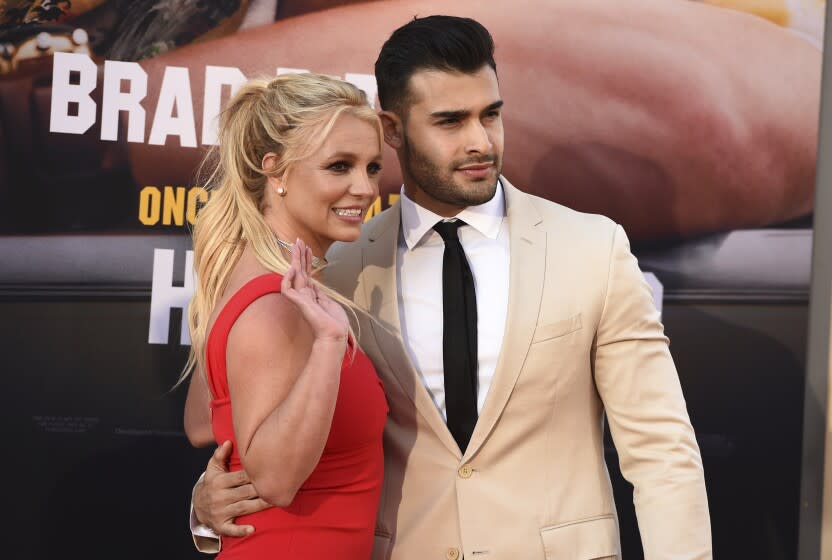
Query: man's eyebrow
{"points": [[458, 114], [462, 113], [496, 105]]}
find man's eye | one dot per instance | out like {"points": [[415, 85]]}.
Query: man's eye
{"points": [[445, 122]]}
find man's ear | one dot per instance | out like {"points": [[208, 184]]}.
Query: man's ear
{"points": [[393, 129]]}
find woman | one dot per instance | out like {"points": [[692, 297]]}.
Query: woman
{"points": [[296, 169]]}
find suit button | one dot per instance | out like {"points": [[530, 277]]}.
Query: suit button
{"points": [[452, 554], [466, 471]]}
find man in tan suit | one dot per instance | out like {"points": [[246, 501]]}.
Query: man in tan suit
{"points": [[564, 334]]}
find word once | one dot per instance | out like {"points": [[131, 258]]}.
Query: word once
{"points": [[73, 110], [171, 206]]}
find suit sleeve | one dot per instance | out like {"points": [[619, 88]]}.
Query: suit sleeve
{"points": [[638, 384], [205, 540]]}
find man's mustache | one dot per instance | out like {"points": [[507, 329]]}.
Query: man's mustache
{"points": [[490, 159]]}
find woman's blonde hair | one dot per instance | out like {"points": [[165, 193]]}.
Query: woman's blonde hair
{"points": [[290, 115]]}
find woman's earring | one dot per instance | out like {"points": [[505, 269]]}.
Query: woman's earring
{"points": [[281, 191]]}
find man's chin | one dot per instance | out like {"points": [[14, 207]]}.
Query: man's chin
{"points": [[474, 198], [479, 189]]}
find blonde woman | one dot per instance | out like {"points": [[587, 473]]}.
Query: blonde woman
{"points": [[296, 169]]}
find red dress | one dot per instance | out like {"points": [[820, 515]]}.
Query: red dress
{"points": [[333, 514]]}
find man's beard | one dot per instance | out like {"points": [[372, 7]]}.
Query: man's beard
{"points": [[440, 184]]}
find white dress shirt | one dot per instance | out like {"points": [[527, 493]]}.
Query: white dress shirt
{"points": [[419, 276]]}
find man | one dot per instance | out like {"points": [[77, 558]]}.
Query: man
{"points": [[494, 444]]}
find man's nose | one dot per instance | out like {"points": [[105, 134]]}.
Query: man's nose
{"points": [[478, 139]]}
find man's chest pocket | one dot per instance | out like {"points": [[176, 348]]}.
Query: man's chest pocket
{"points": [[558, 329], [553, 361]]}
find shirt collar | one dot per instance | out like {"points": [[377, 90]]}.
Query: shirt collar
{"points": [[485, 218]]}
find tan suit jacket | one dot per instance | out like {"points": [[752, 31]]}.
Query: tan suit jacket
{"points": [[582, 338]]}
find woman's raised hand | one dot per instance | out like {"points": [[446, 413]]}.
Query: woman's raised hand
{"points": [[327, 318]]}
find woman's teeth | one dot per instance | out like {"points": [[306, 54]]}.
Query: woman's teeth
{"points": [[351, 213]]}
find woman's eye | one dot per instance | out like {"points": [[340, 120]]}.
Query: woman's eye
{"points": [[339, 166], [374, 168]]}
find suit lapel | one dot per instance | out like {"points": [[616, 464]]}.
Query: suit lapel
{"points": [[381, 301], [527, 250]]}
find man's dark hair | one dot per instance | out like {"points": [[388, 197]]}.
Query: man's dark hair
{"points": [[446, 43]]}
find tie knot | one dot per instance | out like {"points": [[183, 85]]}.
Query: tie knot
{"points": [[448, 229]]}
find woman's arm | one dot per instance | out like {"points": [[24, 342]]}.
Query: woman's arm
{"points": [[284, 357], [197, 411]]}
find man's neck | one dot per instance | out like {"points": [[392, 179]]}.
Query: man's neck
{"points": [[426, 201]]}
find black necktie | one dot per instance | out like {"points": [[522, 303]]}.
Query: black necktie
{"points": [[459, 335]]}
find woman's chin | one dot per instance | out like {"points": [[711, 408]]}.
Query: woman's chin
{"points": [[345, 234], [350, 236]]}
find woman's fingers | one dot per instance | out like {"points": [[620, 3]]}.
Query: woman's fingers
{"points": [[299, 265], [302, 271], [288, 278]]}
